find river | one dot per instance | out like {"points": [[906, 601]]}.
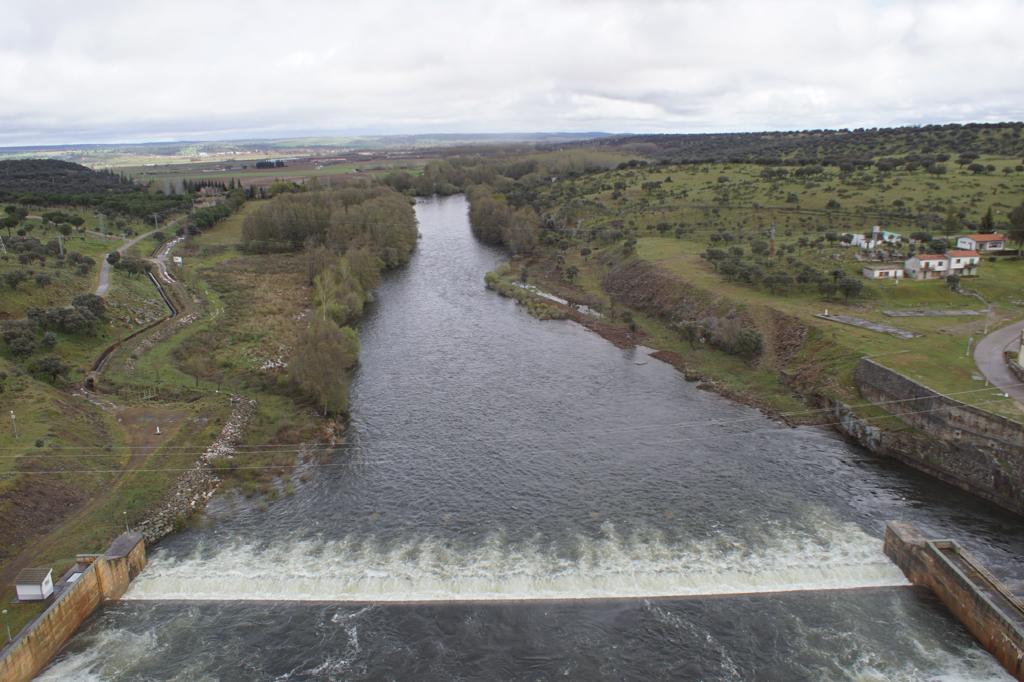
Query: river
{"points": [[522, 500]]}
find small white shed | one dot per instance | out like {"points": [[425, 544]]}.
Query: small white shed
{"points": [[34, 584]]}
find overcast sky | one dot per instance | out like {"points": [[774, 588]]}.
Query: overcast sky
{"points": [[135, 71]]}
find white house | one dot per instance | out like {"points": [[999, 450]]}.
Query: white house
{"points": [[982, 242], [963, 262], [34, 584], [883, 271], [927, 266], [940, 265]]}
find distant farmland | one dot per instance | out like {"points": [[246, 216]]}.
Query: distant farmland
{"points": [[298, 170]]}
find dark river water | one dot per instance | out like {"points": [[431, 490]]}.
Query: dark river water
{"points": [[522, 500]]}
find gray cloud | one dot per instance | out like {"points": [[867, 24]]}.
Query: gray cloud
{"points": [[111, 71]]}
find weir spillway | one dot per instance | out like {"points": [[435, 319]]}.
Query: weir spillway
{"points": [[428, 571]]}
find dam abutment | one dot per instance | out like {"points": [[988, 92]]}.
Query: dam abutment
{"points": [[95, 578], [979, 601]]}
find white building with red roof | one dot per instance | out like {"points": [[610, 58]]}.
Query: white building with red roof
{"points": [[982, 242], [962, 262]]}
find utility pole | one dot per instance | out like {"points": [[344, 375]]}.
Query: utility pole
{"points": [[7, 624], [103, 227], [126, 528], [970, 340], [14, 424]]}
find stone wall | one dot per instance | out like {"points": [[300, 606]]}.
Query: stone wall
{"points": [[976, 450], [980, 602], [105, 577]]}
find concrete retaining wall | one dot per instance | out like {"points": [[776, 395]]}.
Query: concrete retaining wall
{"points": [[976, 450], [105, 577], [1015, 367], [985, 607]]}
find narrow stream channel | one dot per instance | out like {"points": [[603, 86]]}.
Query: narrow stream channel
{"points": [[496, 460]]}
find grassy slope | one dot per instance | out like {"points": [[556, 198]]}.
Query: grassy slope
{"points": [[744, 205], [132, 301], [81, 511]]}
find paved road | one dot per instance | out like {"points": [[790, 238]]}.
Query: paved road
{"points": [[988, 355], [104, 284]]}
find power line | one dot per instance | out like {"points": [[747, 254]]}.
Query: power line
{"points": [[371, 447], [703, 422]]}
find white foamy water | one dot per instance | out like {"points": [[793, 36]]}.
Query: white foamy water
{"points": [[113, 654], [642, 565], [83, 667]]}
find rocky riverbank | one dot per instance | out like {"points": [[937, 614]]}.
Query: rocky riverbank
{"points": [[196, 485]]}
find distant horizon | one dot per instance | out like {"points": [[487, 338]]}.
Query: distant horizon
{"points": [[301, 136], [482, 134]]}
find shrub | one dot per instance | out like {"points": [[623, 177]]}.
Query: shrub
{"points": [[730, 335], [20, 344], [49, 367], [20, 336], [132, 265], [79, 318], [91, 302], [777, 281], [15, 277], [850, 286]]}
